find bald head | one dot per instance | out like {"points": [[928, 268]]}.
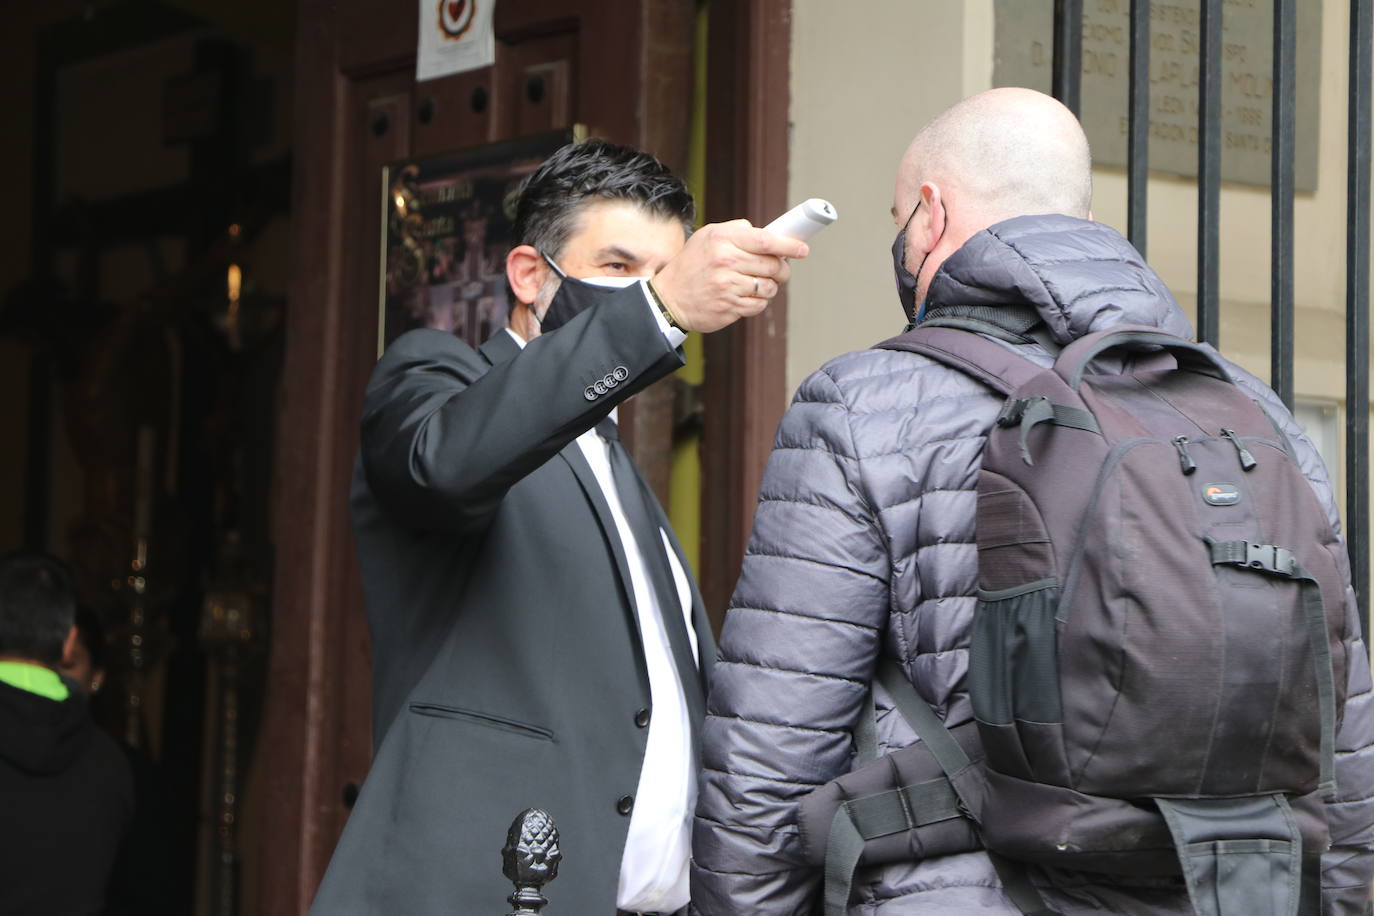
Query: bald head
{"points": [[1003, 153], [995, 155]]}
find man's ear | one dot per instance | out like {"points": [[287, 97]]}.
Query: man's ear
{"points": [[525, 271], [69, 647], [934, 224]]}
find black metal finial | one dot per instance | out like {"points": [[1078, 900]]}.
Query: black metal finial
{"points": [[530, 860]]}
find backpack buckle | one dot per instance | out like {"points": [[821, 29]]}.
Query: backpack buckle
{"points": [[1270, 558], [1012, 411]]}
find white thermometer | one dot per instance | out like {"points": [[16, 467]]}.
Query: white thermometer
{"points": [[805, 219]]}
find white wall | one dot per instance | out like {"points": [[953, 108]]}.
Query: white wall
{"points": [[862, 85]]}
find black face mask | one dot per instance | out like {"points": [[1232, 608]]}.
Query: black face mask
{"points": [[576, 296], [906, 280]]}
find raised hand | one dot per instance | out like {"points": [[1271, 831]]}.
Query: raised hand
{"points": [[726, 272]]}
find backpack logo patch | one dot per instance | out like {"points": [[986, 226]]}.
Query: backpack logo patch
{"points": [[1221, 494]]}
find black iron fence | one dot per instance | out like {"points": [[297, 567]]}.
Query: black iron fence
{"points": [[1067, 70]]}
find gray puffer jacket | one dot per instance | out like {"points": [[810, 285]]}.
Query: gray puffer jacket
{"points": [[863, 544]]}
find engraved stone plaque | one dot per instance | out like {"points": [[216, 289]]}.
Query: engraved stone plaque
{"points": [[1024, 51]]}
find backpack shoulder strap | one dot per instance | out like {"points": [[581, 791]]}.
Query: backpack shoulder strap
{"points": [[922, 719], [990, 363]]}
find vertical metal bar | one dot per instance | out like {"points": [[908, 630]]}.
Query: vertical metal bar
{"points": [[1281, 203], [1209, 174], [1357, 305], [1138, 137], [1068, 52]]}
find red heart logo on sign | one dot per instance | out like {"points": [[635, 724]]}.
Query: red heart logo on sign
{"points": [[455, 8]]}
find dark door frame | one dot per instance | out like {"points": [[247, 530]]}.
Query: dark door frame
{"points": [[746, 365]]}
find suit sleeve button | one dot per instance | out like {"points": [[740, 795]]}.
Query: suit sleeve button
{"points": [[625, 805], [642, 718], [589, 393], [620, 373], [599, 387]]}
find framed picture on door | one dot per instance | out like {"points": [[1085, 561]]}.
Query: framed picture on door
{"points": [[447, 223]]}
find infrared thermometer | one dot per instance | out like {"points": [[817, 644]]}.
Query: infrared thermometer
{"points": [[805, 219]]}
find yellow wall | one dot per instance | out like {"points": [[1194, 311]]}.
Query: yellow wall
{"points": [[684, 480]]}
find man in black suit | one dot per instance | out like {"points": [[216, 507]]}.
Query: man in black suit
{"points": [[537, 638]]}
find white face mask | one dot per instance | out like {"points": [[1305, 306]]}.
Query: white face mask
{"points": [[612, 282]]}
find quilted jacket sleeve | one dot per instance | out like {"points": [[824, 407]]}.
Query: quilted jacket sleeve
{"points": [[1349, 867], [798, 645]]}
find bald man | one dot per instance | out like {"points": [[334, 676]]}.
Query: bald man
{"points": [[863, 542]]}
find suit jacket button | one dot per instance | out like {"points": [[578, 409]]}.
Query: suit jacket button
{"points": [[625, 805], [642, 718], [599, 386], [589, 393], [610, 381], [620, 373]]}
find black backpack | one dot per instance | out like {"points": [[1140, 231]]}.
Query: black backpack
{"points": [[1154, 675]]}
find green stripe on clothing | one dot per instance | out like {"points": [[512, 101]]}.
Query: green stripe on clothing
{"points": [[34, 679]]}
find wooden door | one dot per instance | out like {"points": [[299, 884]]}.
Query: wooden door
{"points": [[620, 67]]}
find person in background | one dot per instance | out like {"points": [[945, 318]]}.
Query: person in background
{"points": [[140, 882], [66, 794], [85, 666]]}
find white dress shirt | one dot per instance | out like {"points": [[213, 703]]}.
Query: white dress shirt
{"points": [[654, 867]]}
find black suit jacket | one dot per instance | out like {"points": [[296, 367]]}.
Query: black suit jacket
{"points": [[508, 666]]}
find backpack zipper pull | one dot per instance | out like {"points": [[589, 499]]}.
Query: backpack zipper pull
{"points": [[1247, 460], [1185, 460]]}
